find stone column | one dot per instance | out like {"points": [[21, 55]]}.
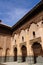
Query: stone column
{"points": [[30, 58], [31, 55], [19, 55]]}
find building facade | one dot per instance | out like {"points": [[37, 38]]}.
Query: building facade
{"points": [[23, 42]]}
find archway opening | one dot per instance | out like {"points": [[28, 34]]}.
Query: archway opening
{"points": [[24, 53], [15, 54], [1, 50], [37, 50], [6, 54]]}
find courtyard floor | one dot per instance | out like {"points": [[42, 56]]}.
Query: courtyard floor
{"points": [[16, 63]]}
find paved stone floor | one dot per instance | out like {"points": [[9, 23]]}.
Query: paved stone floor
{"points": [[16, 63]]}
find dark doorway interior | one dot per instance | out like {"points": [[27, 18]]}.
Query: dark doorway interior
{"points": [[37, 50], [24, 53], [15, 54]]}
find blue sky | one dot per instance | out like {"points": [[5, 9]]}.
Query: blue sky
{"points": [[13, 10]]}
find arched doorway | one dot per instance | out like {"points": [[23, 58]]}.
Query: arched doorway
{"points": [[24, 53], [15, 54], [1, 50], [37, 50], [6, 54]]}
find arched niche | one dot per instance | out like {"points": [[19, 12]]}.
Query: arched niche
{"points": [[24, 53], [22, 34], [37, 50], [6, 53], [15, 54], [1, 50], [33, 28]]}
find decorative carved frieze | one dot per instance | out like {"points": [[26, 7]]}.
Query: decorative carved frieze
{"points": [[24, 43], [35, 20], [35, 40]]}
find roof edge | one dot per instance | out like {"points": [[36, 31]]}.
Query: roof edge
{"points": [[29, 13]]}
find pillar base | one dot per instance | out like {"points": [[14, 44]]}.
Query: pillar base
{"points": [[9, 59], [39, 59], [19, 59], [2, 58], [30, 59]]}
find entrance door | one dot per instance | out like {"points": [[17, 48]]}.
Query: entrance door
{"points": [[37, 50], [15, 54], [24, 53]]}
